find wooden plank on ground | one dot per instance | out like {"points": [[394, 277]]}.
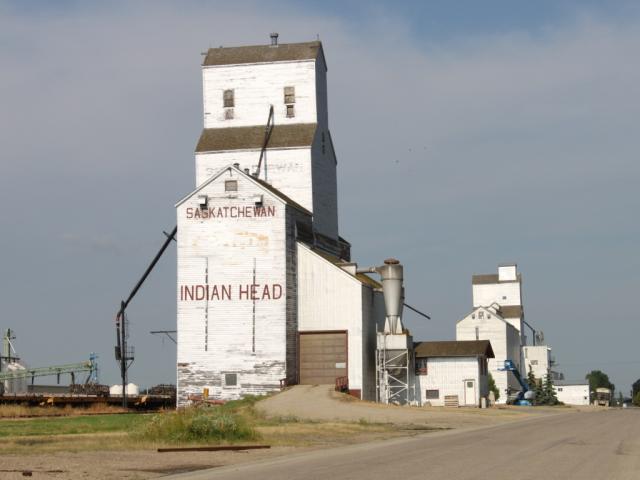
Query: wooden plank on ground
{"points": [[215, 448]]}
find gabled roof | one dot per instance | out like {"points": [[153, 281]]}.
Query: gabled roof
{"points": [[465, 348], [262, 53], [487, 279], [261, 183], [252, 137]]}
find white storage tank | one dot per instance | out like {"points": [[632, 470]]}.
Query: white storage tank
{"points": [[18, 385], [132, 390]]}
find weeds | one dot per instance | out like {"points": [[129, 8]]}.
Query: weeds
{"points": [[198, 424]]}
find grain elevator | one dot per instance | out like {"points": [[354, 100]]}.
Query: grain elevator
{"points": [[267, 293]]}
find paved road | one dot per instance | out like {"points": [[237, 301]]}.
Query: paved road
{"points": [[585, 445]]}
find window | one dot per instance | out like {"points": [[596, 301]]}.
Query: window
{"points": [[469, 384], [480, 315], [228, 99], [231, 186], [534, 362], [289, 95], [289, 100], [228, 113], [421, 366], [432, 394], [477, 333], [230, 379], [504, 298], [560, 389]]}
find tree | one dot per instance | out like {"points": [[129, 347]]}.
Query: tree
{"points": [[493, 388], [635, 388], [548, 394], [598, 379]]}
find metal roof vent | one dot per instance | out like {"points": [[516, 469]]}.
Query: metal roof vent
{"points": [[274, 39]]}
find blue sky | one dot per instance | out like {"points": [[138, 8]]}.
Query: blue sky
{"points": [[503, 131]]}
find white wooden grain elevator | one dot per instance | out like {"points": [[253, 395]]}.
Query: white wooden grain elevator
{"points": [[267, 292]]}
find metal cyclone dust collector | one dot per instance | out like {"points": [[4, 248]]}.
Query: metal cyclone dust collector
{"points": [[391, 274]]}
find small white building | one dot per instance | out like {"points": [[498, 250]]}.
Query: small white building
{"points": [[452, 371], [572, 393], [487, 323], [537, 359]]}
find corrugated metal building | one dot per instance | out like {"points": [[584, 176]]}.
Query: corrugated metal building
{"points": [[266, 291]]}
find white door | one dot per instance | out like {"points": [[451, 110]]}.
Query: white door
{"points": [[470, 392]]}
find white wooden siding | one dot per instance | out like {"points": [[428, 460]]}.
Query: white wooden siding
{"points": [[501, 293], [256, 86], [573, 394], [539, 354], [448, 376], [325, 185], [216, 336], [289, 170], [505, 342], [331, 299]]}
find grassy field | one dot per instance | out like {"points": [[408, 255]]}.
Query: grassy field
{"points": [[72, 425], [235, 422]]}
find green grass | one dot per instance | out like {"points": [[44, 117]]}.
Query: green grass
{"points": [[72, 425]]}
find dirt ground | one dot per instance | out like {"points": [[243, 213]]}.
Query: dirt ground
{"points": [[321, 403], [313, 417]]}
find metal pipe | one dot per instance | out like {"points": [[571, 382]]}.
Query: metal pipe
{"points": [[533, 330], [417, 311]]}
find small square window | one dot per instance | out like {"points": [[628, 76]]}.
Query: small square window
{"points": [[289, 95], [534, 362], [228, 98], [230, 379], [291, 111], [231, 186], [480, 315], [432, 394]]}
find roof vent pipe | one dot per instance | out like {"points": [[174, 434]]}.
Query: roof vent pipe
{"points": [[274, 39]]}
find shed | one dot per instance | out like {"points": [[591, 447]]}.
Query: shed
{"points": [[447, 370]]}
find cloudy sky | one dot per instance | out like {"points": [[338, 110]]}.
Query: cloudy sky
{"points": [[468, 134]]}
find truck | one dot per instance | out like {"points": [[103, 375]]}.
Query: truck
{"points": [[603, 397]]}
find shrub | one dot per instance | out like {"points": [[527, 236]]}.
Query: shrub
{"points": [[197, 424]]}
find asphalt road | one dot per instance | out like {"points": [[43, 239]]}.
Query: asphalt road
{"points": [[577, 445]]}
